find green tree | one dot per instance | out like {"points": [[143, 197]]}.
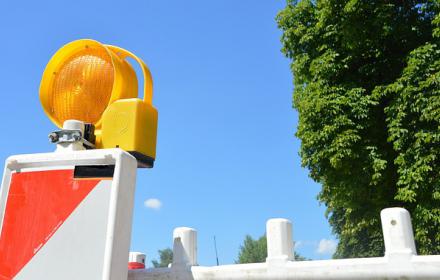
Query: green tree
{"points": [[414, 129], [366, 88], [255, 251], [165, 256]]}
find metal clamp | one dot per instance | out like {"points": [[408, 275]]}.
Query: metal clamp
{"points": [[69, 136]]}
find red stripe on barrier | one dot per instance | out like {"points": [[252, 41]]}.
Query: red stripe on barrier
{"points": [[136, 265], [38, 203]]}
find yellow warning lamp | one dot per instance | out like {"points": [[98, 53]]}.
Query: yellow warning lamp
{"points": [[91, 82]]}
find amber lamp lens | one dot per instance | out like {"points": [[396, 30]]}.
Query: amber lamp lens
{"points": [[82, 86]]}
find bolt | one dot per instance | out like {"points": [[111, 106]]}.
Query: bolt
{"points": [[53, 137]]}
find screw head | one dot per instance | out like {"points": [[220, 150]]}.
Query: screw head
{"points": [[76, 137]]}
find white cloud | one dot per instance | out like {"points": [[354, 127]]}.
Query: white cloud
{"points": [[326, 246], [153, 203], [298, 244]]}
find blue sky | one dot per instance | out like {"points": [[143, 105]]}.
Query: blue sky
{"points": [[227, 157]]}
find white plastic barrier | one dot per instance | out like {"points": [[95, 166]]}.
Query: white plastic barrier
{"points": [[67, 215], [400, 260]]}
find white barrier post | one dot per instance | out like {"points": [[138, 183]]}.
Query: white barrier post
{"points": [[279, 240], [137, 257], [185, 246], [136, 260], [397, 232]]}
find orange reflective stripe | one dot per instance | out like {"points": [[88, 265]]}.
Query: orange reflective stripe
{"points": [[38, 203]]}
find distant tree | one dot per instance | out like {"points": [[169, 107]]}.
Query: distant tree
{"points": [[367, 90], [255, 251], [298, 257], [165, 256]]}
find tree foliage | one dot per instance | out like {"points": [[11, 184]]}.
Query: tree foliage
{"points": [[255, 251], [165, 257], [366, 76]]}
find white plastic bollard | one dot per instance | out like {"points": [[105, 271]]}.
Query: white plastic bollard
{"points": [[185, 246], [279, 240], [136, 260], [137, 257], [397, 231]]}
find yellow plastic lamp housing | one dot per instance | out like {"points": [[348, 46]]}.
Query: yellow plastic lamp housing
{"points": [[82, 79], [91, 82]]}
